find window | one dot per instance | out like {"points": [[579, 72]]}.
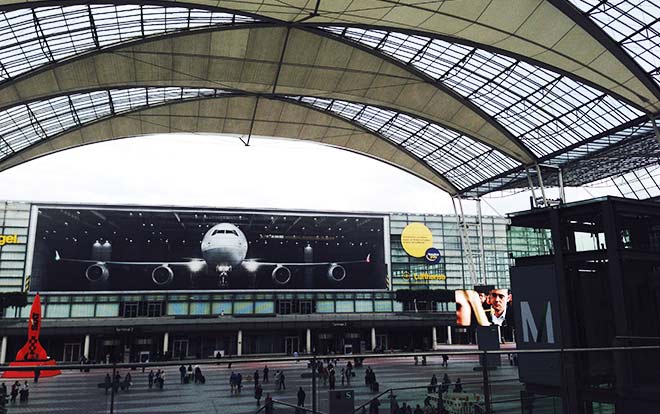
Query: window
{"points": [[130, 310], [306, 307], [154, 309], [284, 307]]}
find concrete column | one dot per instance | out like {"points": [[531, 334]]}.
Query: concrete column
{"points": [[166, 342], [239, 344], [448, 335], [434, 338], [3, 350], [373, 338], [308, 341], [86, 347]]}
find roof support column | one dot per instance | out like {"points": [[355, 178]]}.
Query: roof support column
{"points": [[3, 349], [482, 253]]}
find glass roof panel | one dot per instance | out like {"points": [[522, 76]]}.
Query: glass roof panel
{"points": [[545, 110], [634, 24], [23, 125], [30, 38], [460, 159]]}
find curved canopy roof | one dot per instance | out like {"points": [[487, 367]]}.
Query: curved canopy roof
{"points": [[466, 95]]}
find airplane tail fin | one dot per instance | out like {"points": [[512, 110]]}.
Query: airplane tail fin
{"points": [[57, 256], [368, 259]]}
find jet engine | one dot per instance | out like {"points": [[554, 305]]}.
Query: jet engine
{"points": [[162, 275], [281, 275], [98, 272], [336, 273]]}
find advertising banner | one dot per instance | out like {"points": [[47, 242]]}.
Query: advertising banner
{"points": [[101, 249], [484, 306]]}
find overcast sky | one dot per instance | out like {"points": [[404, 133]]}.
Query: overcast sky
{"points": [[219, 171]]}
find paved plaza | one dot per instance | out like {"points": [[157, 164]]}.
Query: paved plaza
{"points": [[75, 392]]}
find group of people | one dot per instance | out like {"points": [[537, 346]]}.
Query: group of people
{"points": [[18, 390], [190, 374], [157, 379], [117, 382], [370, 379]]}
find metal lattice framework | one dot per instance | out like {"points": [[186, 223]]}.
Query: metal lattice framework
{"points": [[469, 96]]}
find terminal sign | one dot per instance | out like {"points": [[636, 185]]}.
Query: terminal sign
{"points": [[416, 239], [8, 239]]}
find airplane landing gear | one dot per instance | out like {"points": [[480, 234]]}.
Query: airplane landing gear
{"points": [[223, 275]]}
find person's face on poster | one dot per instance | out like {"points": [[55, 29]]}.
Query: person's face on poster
{"points": [[499, 298]]}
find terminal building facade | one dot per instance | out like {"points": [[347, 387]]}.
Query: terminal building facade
{"points": [[131, 282]]}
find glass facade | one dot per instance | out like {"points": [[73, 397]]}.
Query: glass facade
{"points": [[414, 273], [501, 244], [14, 220]]}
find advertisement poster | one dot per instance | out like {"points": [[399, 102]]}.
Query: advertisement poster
{"points": [[101, 249]]}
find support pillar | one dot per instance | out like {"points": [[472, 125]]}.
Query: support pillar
{"points": [[239, 344], [448, 335], [166, 342], [3, 350], [308, 341], [373, 338], [434, 338], [86, 347]]}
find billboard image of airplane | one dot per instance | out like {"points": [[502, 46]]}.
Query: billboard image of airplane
{"points": [[101, 249]]}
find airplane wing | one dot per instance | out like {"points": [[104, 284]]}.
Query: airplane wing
{"points": [[59, 258], [282, 274], [260, 263]]}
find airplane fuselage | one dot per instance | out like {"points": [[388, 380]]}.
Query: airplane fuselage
{"points": [[224, 246]]}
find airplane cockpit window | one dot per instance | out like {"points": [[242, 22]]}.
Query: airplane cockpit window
{"points": [[224, 231]]}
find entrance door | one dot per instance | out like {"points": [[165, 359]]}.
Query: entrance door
{"points": [[381, 342], [180, 348], [71, 352], [291, 344]]}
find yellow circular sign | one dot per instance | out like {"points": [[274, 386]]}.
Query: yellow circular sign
{"points": [[416, 238]]}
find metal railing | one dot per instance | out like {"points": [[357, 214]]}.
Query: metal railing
{"points": [[483, 386]]}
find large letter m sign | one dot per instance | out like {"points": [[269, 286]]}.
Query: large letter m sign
{"points": [[531, 329]]}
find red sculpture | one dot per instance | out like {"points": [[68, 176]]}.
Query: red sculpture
{"points": [[32, 353]]}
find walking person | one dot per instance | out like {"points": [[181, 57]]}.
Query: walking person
{"points": [[301, 397], [445, 383], [434, 383], [266, 374], [282, 384], [37, 374], [258, 392], [150, 378], [256, 378], [14, 391], [3, 398], [182, 373], [269, 404], [127, 382], [332, 378], [445, 360], [232, 382], [107, 382], [24, 392], [458, 387]]}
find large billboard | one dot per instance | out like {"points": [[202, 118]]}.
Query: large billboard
{"points": [[124, 249], [486, 305]]}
